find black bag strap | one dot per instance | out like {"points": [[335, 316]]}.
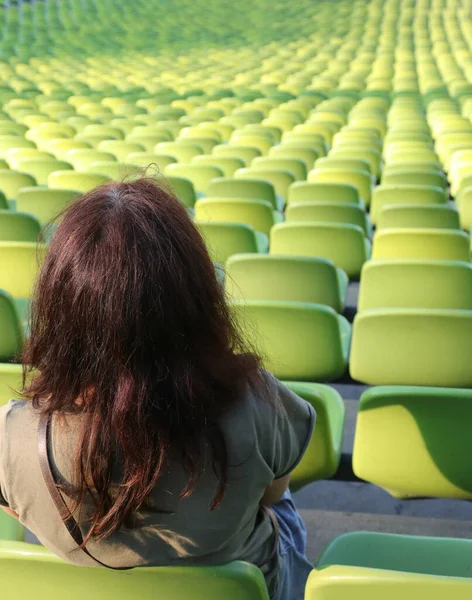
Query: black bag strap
{"points": [[62, 508]]}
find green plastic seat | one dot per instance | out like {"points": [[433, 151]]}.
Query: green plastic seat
{"points": [[18, 227], [302, 191], [255, 189], [11, 182], [464, 201], [294, 165], [83, 159], [343, 244], [281, 180], [332, 162], [258, 214], [432, 423], [115, 170], [440, 244], [150, 159], [360, 583], [435, 216], [235, 581], [200, 175], [307, 155], [244, 153], [332, 212], [286, 278], [366, 153], [224, 239], [11, 340], [10, 528], [412, 346], [299, 341], [120, 148], [17, 155], [182, 152], [405, 194], [323, 454], [261, 142], [362, 180], [181, 187], [446, 557], [44, 204], [414, 176], [72, 180], [405, 283], [61, 147], [40, 168], [228, 165], [8, 142]]}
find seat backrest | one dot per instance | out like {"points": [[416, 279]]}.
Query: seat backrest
{"points": [[245, 153], [11, 340], [421, 436], [224, 239], [256, 189], [18, 227], [361, 180], [12, 181], [227, 164], [412, 346], [403, 283], [115, 170], [405, 194], [280, 179], [83, 159], [120, 148], [440, 244], [303, 191], [298, 341], [296, 166], [343, 244], [259, 214], [234, 581], [307, 155], [285, 278], [72, 180], [200, 175], [181, 152], [339, 582], [434, 216], [414, 177], [336, 162], [333, 212], [43, 203]]}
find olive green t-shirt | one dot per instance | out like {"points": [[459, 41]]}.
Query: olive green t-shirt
{"points": [[265, 439]]}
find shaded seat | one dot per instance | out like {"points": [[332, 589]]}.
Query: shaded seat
{"points": [[83, 159], [415, 177], [299, 341], [405, 194], [441, 244], [200, 175], [433, 426], [258, 214], [225, 239], [286, 278], [362, 180], [227, 164], [280, 179], [343, 244], [40, 168], [323, 453], [44, 204], [307, 155], [255, 189], [18, 227], [434, 216], [412, 346], [235, 581], [11, 182], [181, 187], [409, 283], [10, 528], [150, 159], [303, 191], [331, 212], [244, 153], [278, 163], [115, 170], [72, 180]]}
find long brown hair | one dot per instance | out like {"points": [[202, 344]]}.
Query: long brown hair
{"points": [[130, 327]]}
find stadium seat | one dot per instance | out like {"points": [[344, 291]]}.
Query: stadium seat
{"points": [[344, 244], [302, 191], [183, 153], [40, 168], [405, 194], [18, 227], [294, 165], [406, 283], [10, 528], [255, 189], [280, 179], [361, 180], [299, 341], [414, 176], [228, 165], [72, 180], [225, 239], [82, 159], [244, 153], [235, 581], [331, 212], [412, 346], [11, 182], [442, 244], [434, 216], [120, 148], [286, 278], [432, 423], [44, 204], [115, 170], [258, 214], [200, 175]]}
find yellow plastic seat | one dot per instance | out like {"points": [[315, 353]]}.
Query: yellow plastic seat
{"points": [[45, 204], [80, 182], [83, 159], [293, 165], [360, 583], [299, 341], [258, 214], [60, 148], [115, 170], [18, 227], [407, 283], [432, 424], [120, 148], [19, 263], [183, 153], [329, 212], [224, 239], [245, 153], [366, 153], [200, 175], [411, 346], [182, 188], [261, 142], [307, 155], [40, 168], [286, 278], [150, 159], [281, 180], [362, 180], [15, 156], [344, 193], [228, 165], [384, 195], [11, 182], [439, 216], [440, 244], [332, 162], [9, 142], [414, 176], [343, 244], [255, 189]]}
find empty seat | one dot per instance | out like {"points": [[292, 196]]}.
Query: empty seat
{"points": [[442, 244], [227, 164], [72, 180], [435, 216], [150, 159], [40, 168], [200, 175], [224, 239], [362, 180], [343, 244], [183, 153], [404, 283], [115, 170], [414, 177], [182, 188], [245, 153], [44, 204], [286, 278], [18, 227], [414, 441], [83, 159], [412, 346], [120, 148], [294, 165], [384, 195], [299, 341], [256, 189], [11, 182], [332, 212], [259, 214], [302, 191], [281, 180]]}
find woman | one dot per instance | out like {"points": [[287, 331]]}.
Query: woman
{"points": [[167, 440]]}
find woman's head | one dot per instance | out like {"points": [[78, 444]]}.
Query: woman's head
{"points": [[130, 326]]}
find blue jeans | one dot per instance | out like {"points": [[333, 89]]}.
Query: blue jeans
{"points": [[295, 567]]}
